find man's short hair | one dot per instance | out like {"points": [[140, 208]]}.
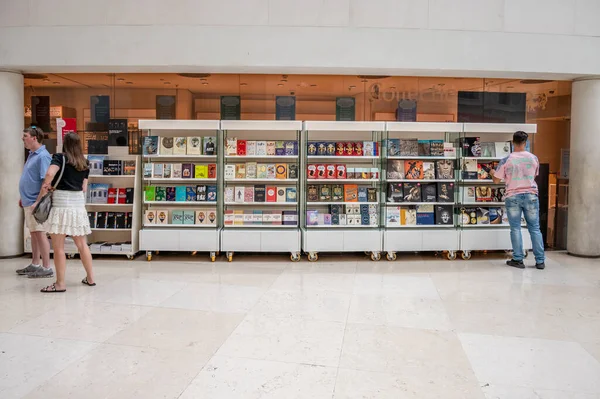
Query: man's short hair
{"points": [[36, 132], [520, 137]]}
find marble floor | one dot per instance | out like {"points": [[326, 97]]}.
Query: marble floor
{"points": [[343, 328]]}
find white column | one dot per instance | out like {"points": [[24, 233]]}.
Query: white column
{"points": [[11, 162], [583, 236]]}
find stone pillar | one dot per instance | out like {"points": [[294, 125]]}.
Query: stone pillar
{"points": [[11, 162], [583, 237]]}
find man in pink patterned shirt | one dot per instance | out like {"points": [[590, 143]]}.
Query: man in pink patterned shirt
{"points": [[518, 171]]}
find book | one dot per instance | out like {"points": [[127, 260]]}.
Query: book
{"points": [[201, 171], [251, 170], [112, 196], [231, 147], [395, 192], [371, 194], [150, 145], [166, 146], [96, 164], [158, 171], [212, 170], [176, 171], [445, 169], [436, 148], [171, 194], [449, 150], [122, 195], [392, 216], [358, 149], [290, 148], [111, 167], [194, 145], [248, 194], [424, 147], [413, 170], [292, 171], [148, 169], [111, 221], [483, 216], [340, 171], [395, 169], [368, 148], [429, 170], [321, 148], [229, 193], [271, 193], [211, 193], [176, 217], [488, 149], [340, 149], [483, 170], [210, 145], [150, 216], [321, 171], [162, 217], [261, 148], [229, 172], [425, 215], [179, 145], [393, 148], [445, 192], [187, 170], [101, 220], [241, 147], [337, 192], [311, 171], [325, 193], [502, 149], [412, 192], [350, 172], [312, 193], [120, 220], [483, 194], [239, 194], [350, 193], [281, 171], [444, 215], [469, 216], [201, 218], [362, 194], [312, 218], [280, 194], [498, 194], [330, 171], [190, 193], [311, 148], [271, 171], [349, 149], [261, 172], [429, 192], [471, 147], [495, 215], [98, 193], [250, 147], [240, 170], [270, 148], [290, 194], [290, 218], [468, 194], [260, 193], [469, 169], [409, 147], [212, 216], [201, 193], [408, 217], [180, 194], [279, 148], [92, 219], [160, 193]]}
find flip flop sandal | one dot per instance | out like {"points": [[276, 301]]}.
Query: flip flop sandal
{"points": [[51, 288], [84, 281]]}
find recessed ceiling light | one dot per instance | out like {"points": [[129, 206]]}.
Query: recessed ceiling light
{"points": [[204, 83], [313, 85], [352, 87], [129, 83], [55, 83], [243, 84], [120, 79], [284, 80], [280, 84], [167, 83], [203, 79], [161, 79], [364, 81], [392, 87], [510, 87]]}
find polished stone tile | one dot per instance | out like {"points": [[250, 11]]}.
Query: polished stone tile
{"points": [[408, 286], [508, 392], [135, 292], [286, 340], [231, 378], [315, 280], [113, 371], [311, 305], [84, 321], [532, 363], [179, 329], [399, 311], [215, 298], [27, 361], [355, 384]]}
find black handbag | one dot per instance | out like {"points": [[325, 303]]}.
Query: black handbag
{"points": [[42, 209]]}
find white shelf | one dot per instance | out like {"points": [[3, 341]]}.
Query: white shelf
{"points": [[181, 179], [342, 157], [101, 229], [326, 181], [344, 226], [183, 226], [124, 253], [261, 181], [420, 181], [422, 226], [242, 157], [341, 203], [479, 181], [180, 156], [261, 226], [487, 226], [183, 203], [489, 203], [111, 205], [261, 203], [327, 126], [262, 125], [111, 176], [172, 124], [417, 157], [418, 203], [439, 127], [484, 158]]}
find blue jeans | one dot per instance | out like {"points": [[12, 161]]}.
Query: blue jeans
{"points": [[529, 205]]}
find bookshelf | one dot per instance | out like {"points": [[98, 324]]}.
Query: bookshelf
{"points": [[482, 220], [419, 187], [341, 192], [261, 165], [180, 200]]}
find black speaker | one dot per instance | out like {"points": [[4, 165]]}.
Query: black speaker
{"points": [[543, 181]]}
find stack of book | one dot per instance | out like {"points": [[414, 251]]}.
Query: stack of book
{"points": [[260, 218], [155, 145], [253, 170], [180, 171], [340, 193], [344, 215], [420, 215], [110, 220], [101, 166], [99, 193], [206, 217], [343, 148], [243, 148], [420, 192], [340, 171], [200, 193], [420, 170], [259, 193]]}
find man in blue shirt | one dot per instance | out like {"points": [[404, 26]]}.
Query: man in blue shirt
{"points": [[30, 184]]}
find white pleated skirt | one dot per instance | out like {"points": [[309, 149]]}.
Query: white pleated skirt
{"points": [[68, 214]]}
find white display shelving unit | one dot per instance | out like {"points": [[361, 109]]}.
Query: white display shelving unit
{"points": [[180, 237], [426, 237], [341, 238], [261, 237], [478, 237]]}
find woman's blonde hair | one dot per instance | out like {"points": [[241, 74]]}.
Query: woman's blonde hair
{"points": [[73, 151]]}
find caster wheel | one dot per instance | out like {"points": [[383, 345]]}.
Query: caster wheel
{"points": [[367, 253], [213, 258], [451, 255], [391, 256], [130, 257], [295, 257], [148, 257], [375, 256], [313, 257], [194, 253], [230, 257], [465, 255]]}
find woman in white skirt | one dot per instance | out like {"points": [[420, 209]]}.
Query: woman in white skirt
{"points": [[68, 216]]}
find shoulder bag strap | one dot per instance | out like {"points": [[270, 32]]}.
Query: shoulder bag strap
{"points": [[62, 170]]}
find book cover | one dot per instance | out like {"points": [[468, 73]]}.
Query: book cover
{"points": [[468, 194], [469, 216], [97, 164], [362, 194], [337, 192], [498, 194], [358, 149], [261, 148], [210, 145], [321, 148], [350, 193], [231, 147], [261, 171], [271, 171], [281, 171], [176, 217], [257, 217], [240, 170], [408, 216], [292, 171], [159, 170], [251, 171], [449, 150], [176, 171], [122, 195], [289, 148], [150, 216], [340, 171], [483, 170], [101, 220], [330, 171], [180, 193], [166, 146], [321, 171], [311, 171], [150, 145], [241, 148], [248, 194], [160, 193], [483, 194], [413, 170], [395, 169], [392, 216], [202, 218], [424, 147], [429, 192], [425, 219], [312, 218], [171, 194], [111, 220], [445, 169], [201, 171], [495, 215], [279, 148], [290, 218], [112, 196], [325, 193], [393, 148], [395, 192], [190, 193], [483, 216], [128, 219], [270, 148], [187, 170], [280, 194], [92, 219], [409, 147], [469, 169], [436, 148], [371, 194], [260, 193], [212, 170], [488, 149], [349, 149], [167, 169], [238, 217], [312, 193], [212, 216], [428, 170], [194, 145], [412, 192], [471, 147], [340, 149], [374, 173], [111, 167], [120, 220], [148, 169], [239, 194], [162, 217], [229, 172], [502, 149], [211, 193], [271, 194], [290, 194], [229, 194], [149, 193], [311, 148], [201, 191], [251, 147], [445, 192], [179, 145], [368, 148]]}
